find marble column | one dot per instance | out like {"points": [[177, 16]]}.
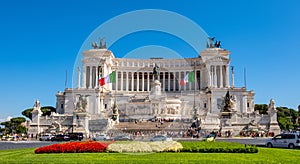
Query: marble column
{"points": [[227, 76], [179, 79], [132, 81], [78, 78], [137, 81], [215, 76], [84, 77], [190, 84], [164, 81], [143, 82], [209, 77], [195, 82], [169, 81], [96, 78], [117, 79], [221, 76], [174, 81], [148, 81], [91, 76], [122, 81], [127, 87]]}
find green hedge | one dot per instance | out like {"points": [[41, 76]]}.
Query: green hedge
{"points": [[217, 147]]}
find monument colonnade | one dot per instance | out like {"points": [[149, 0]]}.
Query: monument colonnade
{"points": [[138, 77]]}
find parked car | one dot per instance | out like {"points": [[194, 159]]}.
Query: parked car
{"points": [[210, 138], [160, 138], [122, 138], [46, 137], [101, 137], [76, 136], [286, 140], [60, 137]]}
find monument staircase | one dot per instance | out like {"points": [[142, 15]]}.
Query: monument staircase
{"points": [[151, 126]]}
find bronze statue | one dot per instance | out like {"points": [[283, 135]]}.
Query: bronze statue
{"points": [[102, 44], [156, 71], [227, 103], [211, 42], [218, 44], [94, 45]]}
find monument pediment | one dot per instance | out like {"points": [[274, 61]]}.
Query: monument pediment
{"points": [[218, 59]]}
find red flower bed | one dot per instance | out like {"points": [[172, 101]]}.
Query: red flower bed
{"points": [[74, 147]]}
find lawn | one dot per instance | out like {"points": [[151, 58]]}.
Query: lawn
{"points": [[264, 155]]}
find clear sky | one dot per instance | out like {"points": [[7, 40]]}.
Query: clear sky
{"points": [[39, 41]]}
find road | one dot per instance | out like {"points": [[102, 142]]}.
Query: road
{"points": [[4, 145], [248, 141]]}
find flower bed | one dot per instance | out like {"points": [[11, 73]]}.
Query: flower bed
{"points": [[147, 147], [217, 147], [74, 147], [134, 147]]}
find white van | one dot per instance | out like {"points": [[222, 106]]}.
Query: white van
{"points": [[286, 140]]}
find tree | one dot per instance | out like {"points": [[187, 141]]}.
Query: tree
{"points": [[262, 108], [7, 127], [21, 129], [18, 120], [287, 118], [27, 113], [46, 111], [14, 125]]}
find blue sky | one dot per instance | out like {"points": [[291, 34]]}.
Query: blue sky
{"points": [[40, 41]]}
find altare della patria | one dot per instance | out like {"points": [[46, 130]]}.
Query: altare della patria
{"points": [[155, 95]]}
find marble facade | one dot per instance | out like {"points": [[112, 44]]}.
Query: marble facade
{"points": [[139, 96]]}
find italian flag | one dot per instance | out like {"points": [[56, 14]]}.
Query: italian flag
{"points": [[111, 78], [190, 77]]}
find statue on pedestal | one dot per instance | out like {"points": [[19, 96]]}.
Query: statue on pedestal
{"points": [[227, 103], [37, 104], [156, 72]]}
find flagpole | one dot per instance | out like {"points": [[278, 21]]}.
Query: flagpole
{"points": [[66, 80], [195, 110], [245, 77]]}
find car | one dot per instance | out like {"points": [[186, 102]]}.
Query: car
{"points": [[160, 138], [46, 137], [101, 137], [122, 138], [210, 138], [76, 136], [285, 140], [60, 137]]}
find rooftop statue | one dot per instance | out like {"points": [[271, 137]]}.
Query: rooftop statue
{"points": [[37, 104], [95, 45], [218, 44], [211, 44], [102, 44]]}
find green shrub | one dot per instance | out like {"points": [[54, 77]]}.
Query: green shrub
{"points": [[217, 147]]}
